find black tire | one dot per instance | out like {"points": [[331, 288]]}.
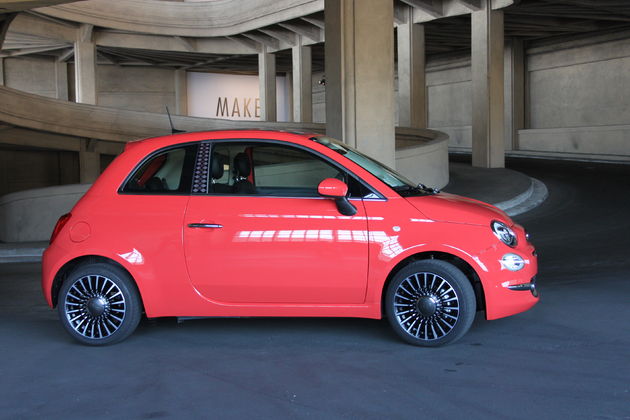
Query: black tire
{"points": [[430, 303], [99, 304]]}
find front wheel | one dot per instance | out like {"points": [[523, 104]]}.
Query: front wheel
{"points": [[430, 303], [99, 304]]}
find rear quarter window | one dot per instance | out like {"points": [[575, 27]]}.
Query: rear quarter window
{"points": [[165, 172]]}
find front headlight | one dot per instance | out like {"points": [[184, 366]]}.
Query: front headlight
{"points": [[504, 233]]}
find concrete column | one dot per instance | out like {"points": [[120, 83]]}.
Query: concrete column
{"points": [[412, 108], [289, 95], [89, 161], [302, 84], [488, 150], [1, 71], [61, 80], [181, 92], [85, 66], [267, 83], [359, 72], [514, 92]]}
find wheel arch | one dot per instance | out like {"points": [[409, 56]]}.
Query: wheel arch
{"points": [[458, 262], [70, 265]]}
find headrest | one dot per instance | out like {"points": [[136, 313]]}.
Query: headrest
{"points": [[217, 166], [241, 165]]}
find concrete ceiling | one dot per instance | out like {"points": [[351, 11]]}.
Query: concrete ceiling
{"points": [[447, 33]]}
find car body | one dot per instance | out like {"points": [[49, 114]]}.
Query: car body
{"points": [[273, 223]]}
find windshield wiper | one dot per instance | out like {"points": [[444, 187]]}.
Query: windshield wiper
{"points": [[420, 189], [430, 190]]}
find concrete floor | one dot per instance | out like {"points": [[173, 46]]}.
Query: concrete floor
{"points": [[567, 358]]}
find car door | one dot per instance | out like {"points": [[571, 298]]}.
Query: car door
{"points": [[261, 234]]}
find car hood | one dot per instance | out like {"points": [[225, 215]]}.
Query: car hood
{"points": [[445, 207]]}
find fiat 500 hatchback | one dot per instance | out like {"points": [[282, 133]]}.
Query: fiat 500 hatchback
{"points": [[262, 223]]}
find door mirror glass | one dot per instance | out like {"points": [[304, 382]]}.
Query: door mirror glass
{"points": [[332, 187]]}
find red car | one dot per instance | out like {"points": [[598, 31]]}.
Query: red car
{"points": [[270, 223]]}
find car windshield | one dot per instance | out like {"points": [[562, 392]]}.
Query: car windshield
{"points": [[389, 176]]}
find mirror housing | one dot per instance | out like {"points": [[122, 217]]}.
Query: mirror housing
{"points": [[333, 188], [337, 189]]}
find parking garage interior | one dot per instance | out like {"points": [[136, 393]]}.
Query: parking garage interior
{"points": [[522, 104]]}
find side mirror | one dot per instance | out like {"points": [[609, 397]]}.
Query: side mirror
{"points": [[334, 188]]}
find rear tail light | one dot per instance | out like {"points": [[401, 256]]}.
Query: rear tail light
{"points": [[60, 224]]}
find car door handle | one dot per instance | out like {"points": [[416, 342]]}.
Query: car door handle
{"points": [[205, 225]]}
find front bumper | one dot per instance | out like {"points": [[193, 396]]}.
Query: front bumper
{"points": [[508, 292], [524, 287]]}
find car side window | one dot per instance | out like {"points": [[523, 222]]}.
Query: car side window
{"points": [[167, 172], [268, 169]]}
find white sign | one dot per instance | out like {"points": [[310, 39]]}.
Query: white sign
{"points": [[232, 97]]}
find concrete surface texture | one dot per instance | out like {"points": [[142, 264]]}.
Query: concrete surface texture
{"points": [[567, 358]]}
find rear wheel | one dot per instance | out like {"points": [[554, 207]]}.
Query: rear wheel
{"points": [[430, 303], [99, 304]]}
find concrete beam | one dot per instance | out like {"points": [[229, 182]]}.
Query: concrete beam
{"points": [[431, 7], [261, 38], [359, 86], [488, 149], [267, 84], [312, 32], [412, 109]]}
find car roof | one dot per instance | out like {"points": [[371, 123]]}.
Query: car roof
{"points": [[232, 134]]}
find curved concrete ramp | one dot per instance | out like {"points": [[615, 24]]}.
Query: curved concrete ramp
{"points": [[97, 122], [196, 19]]}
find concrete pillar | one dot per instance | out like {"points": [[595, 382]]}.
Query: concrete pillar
{"points": [[359, 72], [85, 66], [412, 108], [181, 92], [514, 92], [1, 71], [89, 161], [267, 83], [289, 95], [488, 150], [302, 84], [61, 80]]}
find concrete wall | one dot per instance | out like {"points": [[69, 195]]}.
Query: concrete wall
{"points": [[31, 168], [136, 88], [577, 100], [133, 88], [450, 99], [32, 75]]}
